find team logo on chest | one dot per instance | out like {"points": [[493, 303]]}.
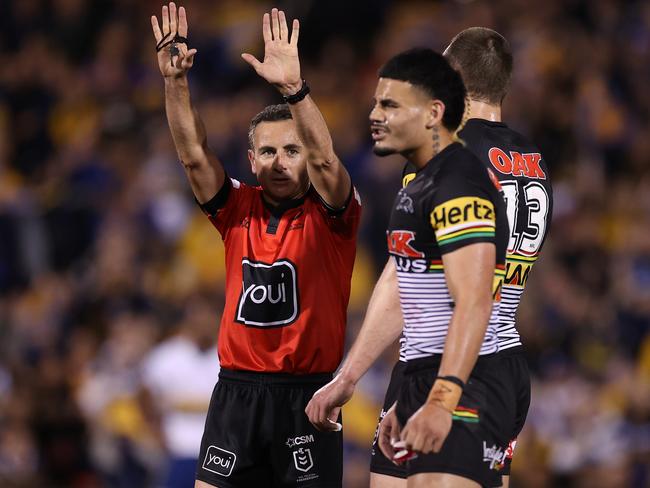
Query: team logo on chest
{"points": [[269, 296], [405, 203]]}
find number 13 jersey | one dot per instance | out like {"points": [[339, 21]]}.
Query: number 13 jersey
{"points": [[524, 178]]}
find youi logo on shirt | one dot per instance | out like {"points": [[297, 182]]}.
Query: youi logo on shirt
{"points": [[269, 296]]}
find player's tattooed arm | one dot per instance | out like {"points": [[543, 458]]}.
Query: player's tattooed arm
{"points": [[281, 68], [203, 169], [381, 327]]}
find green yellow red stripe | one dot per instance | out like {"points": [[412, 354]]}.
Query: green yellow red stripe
{"points": [[463, 414]]}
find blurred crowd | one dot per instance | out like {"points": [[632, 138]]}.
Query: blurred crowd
{"points": [[111, 280]]}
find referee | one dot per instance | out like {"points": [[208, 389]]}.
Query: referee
{"points": [[290, 247]]}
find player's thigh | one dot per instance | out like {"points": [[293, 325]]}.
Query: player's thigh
{"points": [[440, 480], [505, 481], [384, 481]]}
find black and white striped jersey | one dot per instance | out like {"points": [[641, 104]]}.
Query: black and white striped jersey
{"points": [[450, 203], [526, 188]]}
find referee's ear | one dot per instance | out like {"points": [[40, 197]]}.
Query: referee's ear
{"points": [[251, 158]]}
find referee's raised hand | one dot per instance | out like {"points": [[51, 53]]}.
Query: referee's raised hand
{"points": [[281, 66], [174, 59]]}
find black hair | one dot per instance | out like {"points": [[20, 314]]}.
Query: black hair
{"points": [[430, 71], [272, 113]]}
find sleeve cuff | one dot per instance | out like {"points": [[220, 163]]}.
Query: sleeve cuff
{"points": [[216, 203], [337, 212]]}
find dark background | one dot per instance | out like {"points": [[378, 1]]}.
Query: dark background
{"points": [[98, 228]]}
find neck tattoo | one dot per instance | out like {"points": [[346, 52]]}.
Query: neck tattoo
{"points": [[436, 141]]}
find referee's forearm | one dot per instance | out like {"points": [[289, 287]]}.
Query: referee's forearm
{"points": [[185, 125], [313, 132]]}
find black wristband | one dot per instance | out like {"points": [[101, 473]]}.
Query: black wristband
{"points": [[453, 379], [299, 95]]}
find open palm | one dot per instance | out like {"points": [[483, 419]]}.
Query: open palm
{"points": [[281, 66], [172, 63]]}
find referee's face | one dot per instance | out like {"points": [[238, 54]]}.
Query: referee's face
{"points": [[400, 121], [279, 160]]}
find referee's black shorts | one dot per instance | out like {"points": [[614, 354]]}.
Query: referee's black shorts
{"points": [[257, 434], [482, 422]]}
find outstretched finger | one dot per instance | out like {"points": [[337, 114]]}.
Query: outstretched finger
{"points": [[266, 28], [284, 30], [182, 22], [275, 24], [173, 18], [252, 60], [156, 29], [165, 20], [295, 32]]}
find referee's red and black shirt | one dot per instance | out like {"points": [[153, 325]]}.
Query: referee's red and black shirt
{"points": [[288, 271]]}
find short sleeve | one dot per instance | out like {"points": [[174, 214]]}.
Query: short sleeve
{"points": [[226, 206], [345, 220], [463, 212]]}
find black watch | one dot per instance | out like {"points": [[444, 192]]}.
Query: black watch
{"points": [[299, 95]]}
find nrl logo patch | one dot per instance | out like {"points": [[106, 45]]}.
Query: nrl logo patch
{"points": [[302, 460]]}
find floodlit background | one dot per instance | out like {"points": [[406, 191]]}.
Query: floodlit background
{"points": [[111, 280]]}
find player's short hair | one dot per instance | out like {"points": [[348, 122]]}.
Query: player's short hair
{"points": [[431, 72], [272, 113], [484, 59]]}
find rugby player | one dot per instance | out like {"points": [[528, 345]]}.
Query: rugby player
{"points": [[483, 58], [290, 246], [447, 239]]}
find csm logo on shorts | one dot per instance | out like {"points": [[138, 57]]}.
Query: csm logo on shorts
{"points": [[269, 295], [219, 461]]}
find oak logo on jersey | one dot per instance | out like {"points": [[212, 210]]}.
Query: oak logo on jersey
{"points": [[399, 242], [269, 296], [516, 163]]}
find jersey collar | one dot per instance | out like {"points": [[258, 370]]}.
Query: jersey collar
{"points": [[280, 208], [441, 156]]}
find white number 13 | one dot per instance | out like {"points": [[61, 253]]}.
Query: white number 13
{"points": [[529, 240]]}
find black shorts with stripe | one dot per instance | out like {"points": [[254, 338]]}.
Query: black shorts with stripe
{"points": [[483, 421], [257, 434]]}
